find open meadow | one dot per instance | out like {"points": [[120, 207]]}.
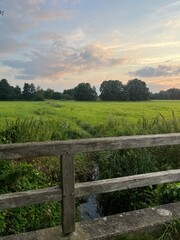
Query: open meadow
{"points": [[87, 112]]}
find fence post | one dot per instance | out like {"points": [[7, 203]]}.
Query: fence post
{"points": [[68, 193]]}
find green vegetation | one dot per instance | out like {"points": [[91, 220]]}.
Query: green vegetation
{"points": [[84, 92], [136, 161], [22, 176], [172, 93], [170, 231], [88, 114], [59, 120], [111, 90]]}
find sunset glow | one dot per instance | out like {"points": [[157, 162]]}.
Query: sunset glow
{"points": [[60, 43]]}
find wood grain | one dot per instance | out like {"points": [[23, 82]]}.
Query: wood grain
{"points": [[56, 148], [19, 199], [68, 193], [129, 182]]}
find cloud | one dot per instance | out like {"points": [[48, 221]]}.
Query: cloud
{"points": [[143, 46], [159, 71], [27, 15], [78, 34], [170, 9], [173, 5], [60, 60], [72, 1], [10, 45], [26, 23], [175, 23]]}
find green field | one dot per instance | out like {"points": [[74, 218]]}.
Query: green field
{"points": [[87, 112], [62, 120]]}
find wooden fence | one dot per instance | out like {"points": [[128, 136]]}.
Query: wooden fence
{"points": [[69, 189]]}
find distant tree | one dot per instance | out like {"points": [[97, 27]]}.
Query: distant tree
{"points": [[28, 91], [112, 90], [57, 96], [17, 95], [67, 97], [84, 92], [69, 92], [172, 93], [6, 90], [48, 93], [39, 94], [137, 90], [162, 95]]}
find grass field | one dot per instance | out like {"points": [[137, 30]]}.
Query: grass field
{"points": [[62, 120], [87, 112]]}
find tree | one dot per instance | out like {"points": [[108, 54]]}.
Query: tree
{"points": [[28, 91], [17, 93], [84, 92], [69, 92], [6, 90], [48, 93], [162, 95], [172, 93], [57, 96], [112, 90], [137, 90], [39, 94]]}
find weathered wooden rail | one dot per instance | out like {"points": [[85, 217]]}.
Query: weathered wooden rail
{"points": [[69, 190]]}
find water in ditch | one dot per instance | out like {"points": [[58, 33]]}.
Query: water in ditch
{"points": [[89, 208]]}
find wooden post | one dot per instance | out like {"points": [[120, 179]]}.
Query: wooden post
{"points": [[68, 193]]}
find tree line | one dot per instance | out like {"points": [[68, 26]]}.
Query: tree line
{"points": [[28, 93], [110, 90], [172, 93]]}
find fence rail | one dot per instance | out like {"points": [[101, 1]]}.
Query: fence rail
{"points": [[55, 148], [19, 199], [69, 190]]}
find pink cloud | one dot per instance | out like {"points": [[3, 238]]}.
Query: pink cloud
{"points": [[60, 60], [22, 16]]}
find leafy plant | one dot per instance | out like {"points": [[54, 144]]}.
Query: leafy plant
{"points": [[19, 177]]}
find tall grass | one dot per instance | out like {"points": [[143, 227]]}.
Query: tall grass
{"points": [[111, 164], [33, 173], [114, 126], [120, 163], [33, 130]]}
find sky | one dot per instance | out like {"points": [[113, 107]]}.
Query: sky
{"points": [[60, 43]]}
